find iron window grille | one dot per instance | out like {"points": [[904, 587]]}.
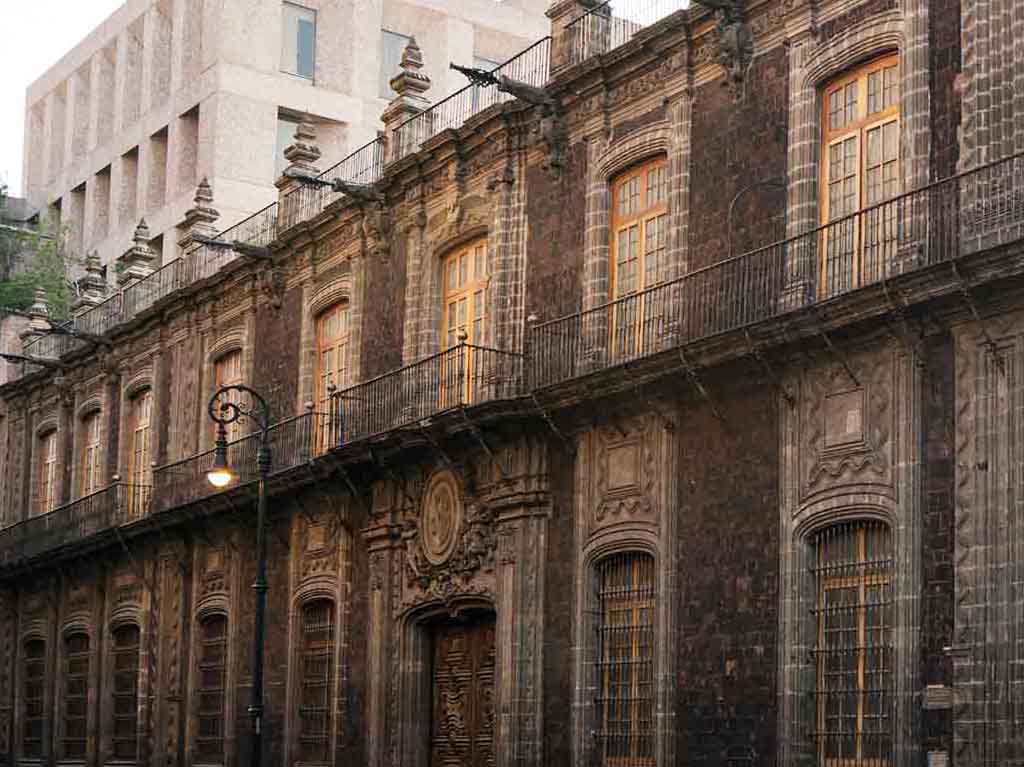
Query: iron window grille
{"points": [[317, 671], [33, 699], [76, 695], [853, 649], [126, 692], [213, 645], [625, 660]]}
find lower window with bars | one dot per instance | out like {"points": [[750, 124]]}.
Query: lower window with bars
{"points": [[852, 570], [624, 659], [317, 664]]}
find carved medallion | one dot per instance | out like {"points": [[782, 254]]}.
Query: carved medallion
{"points": [[441, 519]]}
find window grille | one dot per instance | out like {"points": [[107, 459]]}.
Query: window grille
{"points": [[625, 660], [126, 692], [33, 699], [76, 695], [853, 649], [317, 671], [213, 645]]}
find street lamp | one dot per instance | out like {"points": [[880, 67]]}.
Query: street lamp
{"points": [[228, 405]]}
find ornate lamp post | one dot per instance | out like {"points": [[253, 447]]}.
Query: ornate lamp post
{"points": [[228, 405]]}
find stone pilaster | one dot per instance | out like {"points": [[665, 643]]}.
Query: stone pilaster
{"points": [[92, 286], [409, 85], [39, 318], [571, 40], [302, 155]]}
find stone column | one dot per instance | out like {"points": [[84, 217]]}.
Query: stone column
{"points": [[572, 41], [409, 85], [302, 155]]}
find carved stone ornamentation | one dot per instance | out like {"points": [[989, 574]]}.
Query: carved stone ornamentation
{"points": [[626, 475], [320, 547], [733, 42]]}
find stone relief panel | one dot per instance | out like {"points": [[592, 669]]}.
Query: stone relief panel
{"points": [[8, 623]]}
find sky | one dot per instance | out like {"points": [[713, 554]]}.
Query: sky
{"points": [[36, 34]]}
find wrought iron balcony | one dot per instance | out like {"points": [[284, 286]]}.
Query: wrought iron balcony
{"points": [[461, 376], [183, 482], [958, 216], [611, 24], [102, 511]]}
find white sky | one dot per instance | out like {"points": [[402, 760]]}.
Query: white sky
{"points": [[34, 35]]}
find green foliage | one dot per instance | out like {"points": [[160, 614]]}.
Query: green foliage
{"points": [[41, 262]]}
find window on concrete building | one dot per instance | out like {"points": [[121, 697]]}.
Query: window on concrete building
{"points": [[46, 478], [140, 450], [286, 127], [298, 40], [853, 650], [860, 168], [75, 695], [639, 258], [317, 669], [624, 706], [332, 336], [392, 44], [91, 470], [33, 699], [125, 693], [210, 686]]}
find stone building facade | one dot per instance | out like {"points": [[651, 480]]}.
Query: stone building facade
{"points": [[666, 414]]}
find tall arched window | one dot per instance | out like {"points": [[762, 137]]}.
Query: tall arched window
{"points": [[853, 578], [125, 692], [860, 168], [625, 602], [332, 335], [227, 371], [211, 684], [465, 294], [639, 228], [140, 449], [33, 698], [317, 669], [75, 697], [90, 470], [46, 478]]}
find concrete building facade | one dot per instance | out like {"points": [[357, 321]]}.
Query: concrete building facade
{"points": [[167, 92], [665, 414]]}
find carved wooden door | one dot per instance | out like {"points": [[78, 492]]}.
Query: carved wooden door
{"points": [[462, 730]]}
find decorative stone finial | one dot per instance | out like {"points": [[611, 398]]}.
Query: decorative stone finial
{"points": [[200, 218], [38, 318], [409, 86], [302, 154], [138, 261], [92, 286]]}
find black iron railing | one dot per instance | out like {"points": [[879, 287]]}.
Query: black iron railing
{"points": [[976, 210], [183, 482], [114, 506], [462, 375], [611, 24]]}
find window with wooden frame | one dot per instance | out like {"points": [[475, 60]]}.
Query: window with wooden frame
{"points": [[625, 660], [125, 692], [860, 168], [317, 669], [91, 471], [853, 572], [332, 337], [75, 696], [465, 294], [211, 684], [638, 252], [46, 477], [227, 371], [140, 454], [33, 698]]}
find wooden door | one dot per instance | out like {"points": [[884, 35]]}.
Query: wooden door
{"points": [[462, 727]]}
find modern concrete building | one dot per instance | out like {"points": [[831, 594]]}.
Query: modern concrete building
{"points": [[166, 92]]}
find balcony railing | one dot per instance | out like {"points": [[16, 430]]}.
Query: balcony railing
{"points": [[114, 506], [461, 376], [184, 482], [612, 24], [964, 214]]}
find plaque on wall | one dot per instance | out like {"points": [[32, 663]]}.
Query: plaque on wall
{"points": [[441, 519]]}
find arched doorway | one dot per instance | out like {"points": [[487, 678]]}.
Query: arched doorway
{"points": [[462, 690]]}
